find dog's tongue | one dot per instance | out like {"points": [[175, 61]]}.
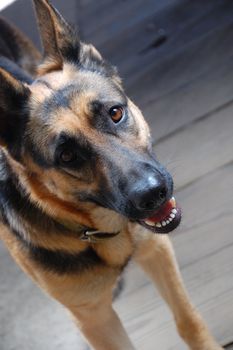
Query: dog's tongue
{"points": [[163, 212], [166, 219]]}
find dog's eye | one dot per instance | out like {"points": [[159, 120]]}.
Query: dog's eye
{"points": [[116, 113], [67, 156]]}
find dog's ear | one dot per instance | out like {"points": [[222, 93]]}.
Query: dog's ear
{"points": [[14, 96], [60, 41], [62, 44]]}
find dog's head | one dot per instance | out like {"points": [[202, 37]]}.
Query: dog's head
{"points": [[84, 148]]}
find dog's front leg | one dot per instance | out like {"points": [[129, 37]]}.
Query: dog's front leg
{"points": [[101, 326], [156, 257]]}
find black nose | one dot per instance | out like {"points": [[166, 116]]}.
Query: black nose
{"points": [[150, 194]]}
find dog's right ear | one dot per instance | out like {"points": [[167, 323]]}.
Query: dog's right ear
{"points": [[14, 96], [60, 41]]}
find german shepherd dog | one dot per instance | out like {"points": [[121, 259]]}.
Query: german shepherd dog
{"points": [[81, 191]]}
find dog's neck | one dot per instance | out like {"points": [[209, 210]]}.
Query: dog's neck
{"points": [[87, 234]]}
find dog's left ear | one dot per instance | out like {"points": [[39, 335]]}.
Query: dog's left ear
{"points": [[14, 96], [62, 44], [60, 41]]}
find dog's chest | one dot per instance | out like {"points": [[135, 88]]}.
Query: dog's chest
{"points": [[117, 251]]}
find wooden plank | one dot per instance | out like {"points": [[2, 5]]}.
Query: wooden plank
{"points": [[182, 38], [194, 85], [114, 17], [191, 101], [201, 147], [208, 198], [176, 25], [182, 66]]}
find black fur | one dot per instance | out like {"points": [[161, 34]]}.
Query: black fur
{"points": [[13, 117], [63, 262]]}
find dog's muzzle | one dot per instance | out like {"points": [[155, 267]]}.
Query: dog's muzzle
{"points": [[150, 199], [164, 220]]}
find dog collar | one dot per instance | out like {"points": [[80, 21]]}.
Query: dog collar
{"points": [[94, 236], [90, 235]]}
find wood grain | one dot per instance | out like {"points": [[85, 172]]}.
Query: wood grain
{"points": [[202, 146]]}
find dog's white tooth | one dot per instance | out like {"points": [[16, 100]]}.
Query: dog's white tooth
{"points": [[174, 211], [158, 225], [164, 223], [173, 201], [167, 222], [172, 215], [150, 223]]}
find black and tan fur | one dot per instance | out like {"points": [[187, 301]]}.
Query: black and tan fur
{"points": [[63, 104]]}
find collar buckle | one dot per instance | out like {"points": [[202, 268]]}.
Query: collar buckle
{"points": [[94, 236]]}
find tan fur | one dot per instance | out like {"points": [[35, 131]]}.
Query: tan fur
{"points": [[11, 81], [47, 66]]}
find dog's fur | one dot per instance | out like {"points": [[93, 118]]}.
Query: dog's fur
{"points": [[62, 103]]}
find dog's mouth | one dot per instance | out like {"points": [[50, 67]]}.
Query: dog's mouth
{"points": [[164, 220]]}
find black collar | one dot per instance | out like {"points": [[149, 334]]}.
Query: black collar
{"points": [[90, 235]]}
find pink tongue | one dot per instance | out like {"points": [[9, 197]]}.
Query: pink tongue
{"points": [[163, 212]]}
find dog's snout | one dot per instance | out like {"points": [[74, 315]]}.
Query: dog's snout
{"points": [[150, 194]]}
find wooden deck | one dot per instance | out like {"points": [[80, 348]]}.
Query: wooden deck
{"points": [[176, 58]]}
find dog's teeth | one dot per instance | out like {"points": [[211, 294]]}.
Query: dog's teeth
{"points": [[173, 201], [158, 225], [164, 223], [167, 222], [174, 211], [172, 215], [150, 223]]}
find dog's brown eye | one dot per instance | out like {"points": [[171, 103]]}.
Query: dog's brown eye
{"points": [[67, 156], [116, 113]]}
